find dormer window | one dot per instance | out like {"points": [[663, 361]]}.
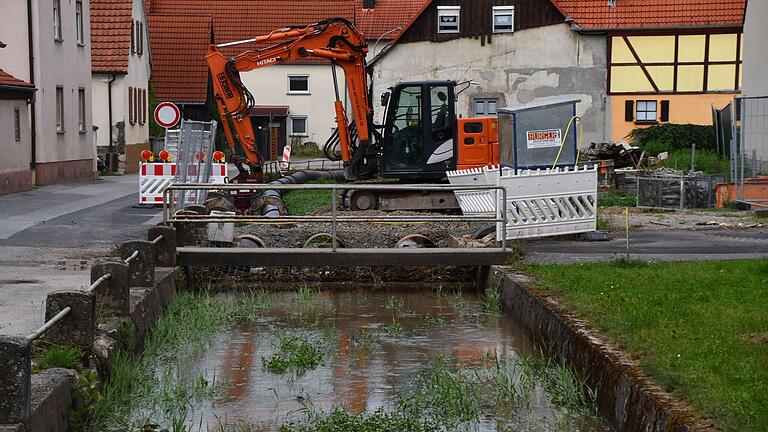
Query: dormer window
{"points": [[448, 19], [503, 19]]}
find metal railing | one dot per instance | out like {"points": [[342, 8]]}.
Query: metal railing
{"points": [[96, 284], [334, 218]]}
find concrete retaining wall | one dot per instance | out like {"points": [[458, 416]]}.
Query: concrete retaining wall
{"points": [[626, 398]]}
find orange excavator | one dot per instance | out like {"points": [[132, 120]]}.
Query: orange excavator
{"points": [[421, 137]]}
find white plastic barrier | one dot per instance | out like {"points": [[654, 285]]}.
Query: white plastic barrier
{"points": [[476, 202], [155, 177], [540, 203]]}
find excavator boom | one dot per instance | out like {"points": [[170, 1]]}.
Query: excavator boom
{"points": [[335, 40]]}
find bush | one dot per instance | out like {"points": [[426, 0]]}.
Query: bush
{"points": [[707, 161], [668, 136]]}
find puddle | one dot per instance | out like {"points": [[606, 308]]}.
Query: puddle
{"points": [[376, 352]]}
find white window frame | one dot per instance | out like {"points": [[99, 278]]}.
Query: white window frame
{"points": [[79, 29], [57, 33], [306, 126], [485, 105], [60, 109], [502, 11], [645, 118], [454, 11], [298, 92]]}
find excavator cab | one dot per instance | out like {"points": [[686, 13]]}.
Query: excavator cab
{"points": [[419, 130]]}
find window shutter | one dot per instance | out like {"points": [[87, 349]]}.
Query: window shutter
{"points": [[140, 36], [143, 106], [664, 111], [130, 105], [629, 110], [133, 38]]}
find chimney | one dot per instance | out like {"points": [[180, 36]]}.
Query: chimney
{"points": [[369, 4]]}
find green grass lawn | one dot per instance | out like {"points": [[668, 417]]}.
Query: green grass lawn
{"points": [[304, 202], [700, 329]]}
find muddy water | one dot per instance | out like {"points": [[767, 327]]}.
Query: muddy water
{"points": [[358, 373]]}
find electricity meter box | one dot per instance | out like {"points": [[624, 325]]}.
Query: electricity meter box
{"points": [[530, 135]]}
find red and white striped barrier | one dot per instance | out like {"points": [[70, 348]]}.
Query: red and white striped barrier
{"points": [[155, 177], [286, 162]]}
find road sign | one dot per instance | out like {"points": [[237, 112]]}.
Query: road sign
{"points": [[167, 114]]}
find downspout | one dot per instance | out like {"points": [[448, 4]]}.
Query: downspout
{"points": [[109, 97], [33, 116]]}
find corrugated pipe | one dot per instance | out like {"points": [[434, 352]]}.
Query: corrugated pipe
{"points": [[299, 177]]}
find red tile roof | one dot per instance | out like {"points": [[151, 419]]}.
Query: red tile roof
{"points": [[110, 35], [179, 44], [629, 14], [386, 16], [9, 80], [177, 48]]}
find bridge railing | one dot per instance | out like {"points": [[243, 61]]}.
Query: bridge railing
{"points": [[71, 315], [184, 218]]}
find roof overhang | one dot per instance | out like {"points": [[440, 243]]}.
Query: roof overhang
{"points": [[16, 92], [267, 110]]}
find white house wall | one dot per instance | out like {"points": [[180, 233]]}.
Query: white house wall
{"points": [[533, 64], [755, 49], [138, 76], [269, 86], [14, 58]]}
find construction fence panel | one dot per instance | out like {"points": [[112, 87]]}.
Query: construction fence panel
{"points": [[546, 203], [749, 154], [540, 203]]}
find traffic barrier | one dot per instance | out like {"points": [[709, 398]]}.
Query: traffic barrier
{"points": [[155, 177], [540, 203]]}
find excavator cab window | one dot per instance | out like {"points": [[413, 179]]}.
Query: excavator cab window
{"points": [[404, 149]]}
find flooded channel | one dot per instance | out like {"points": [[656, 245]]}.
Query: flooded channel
{"points": [[407, 361]]}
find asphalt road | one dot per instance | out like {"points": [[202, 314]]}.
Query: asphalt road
{"points": [[662, 245]]}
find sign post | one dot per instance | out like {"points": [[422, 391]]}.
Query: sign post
{"points": [[167, 115]]}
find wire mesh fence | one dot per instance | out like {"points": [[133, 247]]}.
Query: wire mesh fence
{"points": [[749, 151], [678, 192], [196, 143]]}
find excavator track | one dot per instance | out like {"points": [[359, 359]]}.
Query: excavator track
{"points": [[434, 201]]}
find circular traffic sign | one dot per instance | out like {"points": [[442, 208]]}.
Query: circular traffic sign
{"points": [[167, 114]]}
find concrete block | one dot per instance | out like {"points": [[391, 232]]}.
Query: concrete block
{"points": [[141, 271], [113, 295], [15, 379], [51, 400], [165, 250], [79, 326]]}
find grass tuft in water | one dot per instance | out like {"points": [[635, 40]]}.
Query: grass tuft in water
{"points": [[366, 339], [435, 320], [295, 354], [491, 300]]}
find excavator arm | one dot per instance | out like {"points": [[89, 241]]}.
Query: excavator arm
{"points": [[335, 40]]}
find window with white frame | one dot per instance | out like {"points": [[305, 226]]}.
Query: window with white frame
{"points": [[486, 107], [59, 109], [57, 20], [448, 18], [503, 19], [81, 110], [298, 84], [79, 23], [646, 111], [299, 126]]}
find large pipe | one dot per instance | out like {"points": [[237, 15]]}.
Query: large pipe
{"points": [[299, 177]]}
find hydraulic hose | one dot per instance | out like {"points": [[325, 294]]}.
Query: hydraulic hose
{"points": [[299, 177], [565, 138]]}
